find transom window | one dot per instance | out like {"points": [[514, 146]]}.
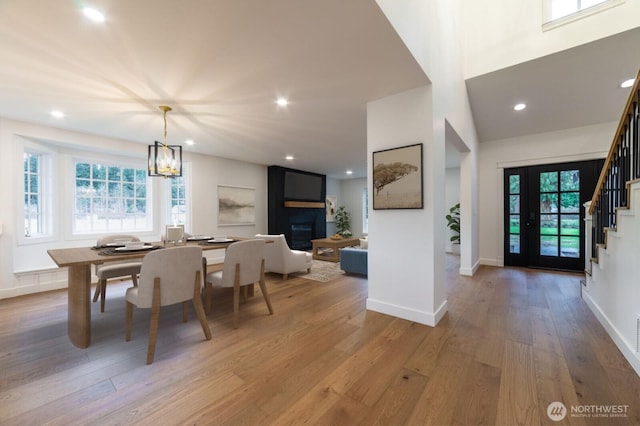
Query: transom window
{"points": [[570, 9], [111, 198]]}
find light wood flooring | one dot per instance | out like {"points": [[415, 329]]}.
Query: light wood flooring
{"points": [[513, 341]]}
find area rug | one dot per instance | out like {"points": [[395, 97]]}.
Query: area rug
{"points": [[321, 271]]}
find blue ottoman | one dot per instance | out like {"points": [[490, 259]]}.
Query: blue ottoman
{"points": [[353, 260]]}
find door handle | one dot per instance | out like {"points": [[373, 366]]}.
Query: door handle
{"points": [[531, 222]]}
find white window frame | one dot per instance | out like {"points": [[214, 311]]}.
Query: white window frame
{"points": [[186, 179], [46, 167], [549, 23], [109, 162]]}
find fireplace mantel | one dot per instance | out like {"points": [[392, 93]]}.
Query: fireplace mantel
{"points": [[304, 205]]}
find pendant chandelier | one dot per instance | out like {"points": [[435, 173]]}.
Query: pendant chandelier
{"points": [[165, 160]]}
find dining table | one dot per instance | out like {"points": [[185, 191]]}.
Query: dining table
{"points": [[78, 261]]}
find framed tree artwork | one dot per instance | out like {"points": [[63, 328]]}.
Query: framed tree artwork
{"points": [[397, 178]]}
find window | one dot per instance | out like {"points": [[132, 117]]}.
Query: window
{"points": [[177, 214], [574, 9], [365, 211], [111, 198], [514, 213], [36, 201]]}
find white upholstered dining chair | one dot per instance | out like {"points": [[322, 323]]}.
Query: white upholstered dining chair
{"points": [[243, 265], [109, 270], [168, 276]]}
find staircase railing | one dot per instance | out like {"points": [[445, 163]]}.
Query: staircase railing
{"points": [[621, 167]]}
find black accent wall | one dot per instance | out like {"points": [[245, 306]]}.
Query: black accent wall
{"points": [[299, 225]]}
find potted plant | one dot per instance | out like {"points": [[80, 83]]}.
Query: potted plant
{"points": [[343, 222], [453, 223]]}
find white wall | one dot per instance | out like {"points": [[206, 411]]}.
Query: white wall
{"points": [[501, 33], [351, 198], [451, 196], [406, 247], [26, 267], [577, 144], [612, 290], [431, 30]]}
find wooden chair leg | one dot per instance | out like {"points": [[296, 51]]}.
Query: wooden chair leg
{"points": [[134, 278], [185, 311], [155, 319], [263, 288], [97, 292], [208, 290], [236, 296], [103, 294], [129, 321], [244, 294], [197, 305]]}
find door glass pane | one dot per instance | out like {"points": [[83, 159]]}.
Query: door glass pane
{"points": [[548, 203], [549, 224], [570, 202], [570, 224], [514, 184], [514, 243], [548, 245], [549, 182], [514, 204], [570, 180], [570, 247], [514, 224]]}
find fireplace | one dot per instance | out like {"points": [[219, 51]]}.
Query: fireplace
{"points": [[302, 233], [300, 222]]}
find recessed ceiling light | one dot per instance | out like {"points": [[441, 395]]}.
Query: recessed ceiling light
{"points": [[289, 158], [519, 107], [57, 114], [349, 172], [93, 14], [627, 83], [189, 142], [282, 102]]}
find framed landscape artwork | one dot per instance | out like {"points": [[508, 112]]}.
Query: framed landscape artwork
{"points": [[236, 206], [397, 178]]}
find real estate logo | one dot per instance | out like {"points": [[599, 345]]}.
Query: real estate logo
{"points": [[556, 411]]}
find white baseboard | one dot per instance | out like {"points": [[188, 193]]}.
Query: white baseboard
{"points": [[469, 271], [627, 350], [421, 317], [489, 262], [31, 289]]}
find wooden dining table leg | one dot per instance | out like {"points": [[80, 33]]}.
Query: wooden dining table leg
{"points": [[79, 308]]}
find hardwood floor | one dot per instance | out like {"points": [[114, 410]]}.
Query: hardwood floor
{"points": [[512, 342]]}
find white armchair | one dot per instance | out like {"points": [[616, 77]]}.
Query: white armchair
{"points": [[279, 258]]}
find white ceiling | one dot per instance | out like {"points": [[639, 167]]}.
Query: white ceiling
{"points": [[572, 88], [222, 63]]}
